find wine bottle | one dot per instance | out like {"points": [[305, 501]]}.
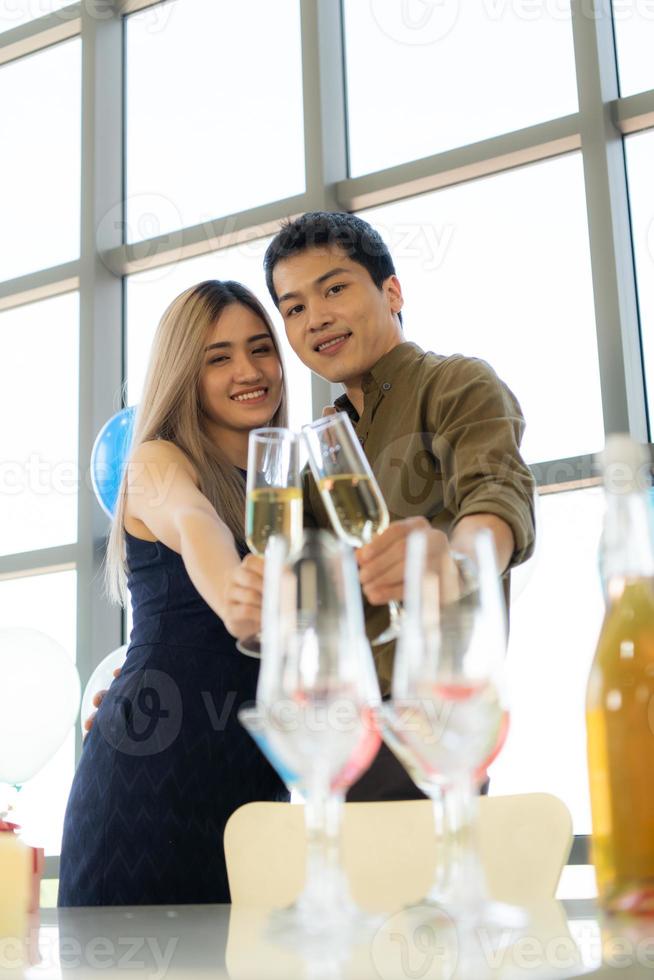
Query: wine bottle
{"points": [[620, 694]]}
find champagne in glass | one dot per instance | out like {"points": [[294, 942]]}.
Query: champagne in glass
{"points": [[273, 510], [355, 505], [273, 502], [349, 490]]}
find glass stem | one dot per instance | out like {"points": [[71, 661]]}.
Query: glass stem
{"points": [[395, 613], [459, 879], [325, 884]]}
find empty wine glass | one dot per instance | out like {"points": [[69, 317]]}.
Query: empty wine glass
{"points": [[315, 715], [448, 717], [349, 490], [273, 499]]}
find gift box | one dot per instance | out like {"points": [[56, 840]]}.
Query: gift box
{"points": [[36, 866]]}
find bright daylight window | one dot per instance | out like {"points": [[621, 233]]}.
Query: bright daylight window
{"points": [[211, 129], [559, 590], [640, 167], [40, 109], [634, 37], [39, 447], [409, 76]]}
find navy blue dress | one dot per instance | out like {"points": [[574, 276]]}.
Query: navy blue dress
{"points": [[167, 760]]}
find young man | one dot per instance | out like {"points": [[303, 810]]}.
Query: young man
{"points": [[441, 433]]}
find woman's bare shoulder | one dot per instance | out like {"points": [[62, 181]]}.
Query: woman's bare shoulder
{"points": [[160, 452]]}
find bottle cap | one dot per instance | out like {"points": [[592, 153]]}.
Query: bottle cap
{"points": [[625, 464]]}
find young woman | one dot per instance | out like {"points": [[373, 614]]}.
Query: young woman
{"points": [[166, 761]]}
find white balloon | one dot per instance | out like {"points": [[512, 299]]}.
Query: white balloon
{"points": [[100, 680], [39, 698]]}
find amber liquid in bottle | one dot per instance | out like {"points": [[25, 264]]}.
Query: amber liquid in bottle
{"points": [[620, 730]]}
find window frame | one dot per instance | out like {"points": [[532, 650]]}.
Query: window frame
{"points": [[597, 130]]}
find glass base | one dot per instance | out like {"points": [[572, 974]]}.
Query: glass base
{"points": [[323, 910], [391, 632], [319, 938], [394, 627], [484, 913], [250, 646]]}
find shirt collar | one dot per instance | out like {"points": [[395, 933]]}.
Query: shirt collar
{"points": [[382, 375], [388, 368]]}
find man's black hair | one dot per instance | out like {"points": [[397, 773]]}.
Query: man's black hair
{"points": [[355, 237]]}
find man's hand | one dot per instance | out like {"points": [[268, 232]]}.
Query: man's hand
{"points": [[241, 612], [382, 562], [97, 701]]}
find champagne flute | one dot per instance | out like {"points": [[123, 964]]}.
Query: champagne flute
{"points": [[350, 492], [315, 715], [448, 717], [273, 500]]}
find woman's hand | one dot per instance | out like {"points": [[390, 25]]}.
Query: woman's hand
{"points": [[242, 598], [97, 701]]}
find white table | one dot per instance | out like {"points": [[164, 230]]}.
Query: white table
{"points": [[562, 940]]}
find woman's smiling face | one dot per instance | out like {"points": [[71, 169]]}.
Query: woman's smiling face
{"points": [[241, 379]]}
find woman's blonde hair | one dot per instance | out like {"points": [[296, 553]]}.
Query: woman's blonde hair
{"points": [[170, 409]]}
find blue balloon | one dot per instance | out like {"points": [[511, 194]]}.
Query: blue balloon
{"points": [[109, 457]]}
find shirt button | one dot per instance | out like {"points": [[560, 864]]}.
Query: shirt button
{"points": [[387, 386]]}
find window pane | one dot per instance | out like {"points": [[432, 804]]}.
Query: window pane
{"points": [[500, 269], [213, 127], [634, 38], [640, 167], [555, 623], [426, 77], [149, 293], [13, 13], [38, 406], [46, 603], [40, 119]]}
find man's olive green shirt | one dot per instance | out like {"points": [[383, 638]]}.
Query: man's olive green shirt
{"points": [[442, 435]]}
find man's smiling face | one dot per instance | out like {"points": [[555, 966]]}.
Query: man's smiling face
{"points": [[337, 321]]}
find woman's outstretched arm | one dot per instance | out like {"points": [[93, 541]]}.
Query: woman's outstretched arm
{"points": [[164, 496]]}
